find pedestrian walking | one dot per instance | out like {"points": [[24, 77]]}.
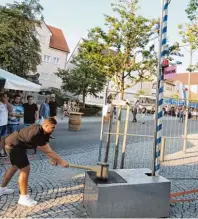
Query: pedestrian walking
{"points": [[16, 146], [114, 112], [143, 114], [134, 112]]}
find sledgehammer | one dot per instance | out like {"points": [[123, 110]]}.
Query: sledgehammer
{"points": [[102, 169]]}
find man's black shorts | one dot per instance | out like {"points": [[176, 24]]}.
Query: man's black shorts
{"points": [[18, 157]]}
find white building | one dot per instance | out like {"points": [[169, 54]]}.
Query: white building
{"points": [[54, 51]]}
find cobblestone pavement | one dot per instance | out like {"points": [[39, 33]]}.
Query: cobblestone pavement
{"points": [[60, 191]]}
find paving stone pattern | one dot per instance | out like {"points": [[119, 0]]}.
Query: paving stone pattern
{"points": [[59, 191]]}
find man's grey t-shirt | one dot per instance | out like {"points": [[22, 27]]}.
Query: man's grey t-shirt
{"points": [[28, 138]]}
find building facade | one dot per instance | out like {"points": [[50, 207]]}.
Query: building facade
{"points": [[149, 88], [54, 51]]}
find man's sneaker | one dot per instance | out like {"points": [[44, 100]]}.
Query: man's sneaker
{"points": [[26, 200], [52, 137], [5, 191], [3, 155]]}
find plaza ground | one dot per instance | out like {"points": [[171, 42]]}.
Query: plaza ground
{"points": [[60, 191]]}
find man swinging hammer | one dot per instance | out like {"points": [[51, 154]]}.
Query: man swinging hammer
{"points": [[16, 145]]}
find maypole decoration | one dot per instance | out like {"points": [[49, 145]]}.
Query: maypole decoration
{"points": [[160, 87]]}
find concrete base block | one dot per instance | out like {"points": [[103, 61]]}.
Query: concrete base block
{"points": [[129, 193]]}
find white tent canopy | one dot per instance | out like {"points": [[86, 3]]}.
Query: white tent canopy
{"points": [[15, 82]]}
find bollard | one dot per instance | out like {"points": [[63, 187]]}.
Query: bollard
{"points": [[162, 154]]}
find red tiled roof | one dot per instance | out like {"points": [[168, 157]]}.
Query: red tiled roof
{"points": [[58, 40], [183, 77]]}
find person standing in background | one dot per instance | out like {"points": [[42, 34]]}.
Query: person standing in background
{"points": [[69, 108], [65, 109], [21, 98], [30, 111], [5, 108], [15, 115], [53, 109], [182, 114], [143, 114], [134, 112], [44, 111]]}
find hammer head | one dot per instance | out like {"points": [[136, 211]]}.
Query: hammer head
{"points": [[102, 170]]}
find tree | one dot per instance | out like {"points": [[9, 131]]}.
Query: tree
{"points": [[122, 52], [192, 9], [19, 46], [189, 36], [83, 79], [189, 31]]}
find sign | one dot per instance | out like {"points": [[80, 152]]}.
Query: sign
{"points": [[170, 72], [165, 63], [119, 102], [104, 110]]}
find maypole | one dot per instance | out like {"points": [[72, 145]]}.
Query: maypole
{"points": [[160, 87]]}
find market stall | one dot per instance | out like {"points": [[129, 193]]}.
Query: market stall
{"points": [[14, 82]]}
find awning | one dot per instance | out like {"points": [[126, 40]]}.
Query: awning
{"points": [[149, 97], [15, 82], [193, 96]]}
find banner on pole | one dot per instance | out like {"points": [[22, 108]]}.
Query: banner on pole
{"points": [[105, 110], [170, 72], [119, 102]]}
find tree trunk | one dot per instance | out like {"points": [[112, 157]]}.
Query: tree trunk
{"points": [[84, 95], [118, 126]]}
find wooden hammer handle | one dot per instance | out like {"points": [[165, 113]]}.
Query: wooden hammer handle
{"points": [[81, 167]]}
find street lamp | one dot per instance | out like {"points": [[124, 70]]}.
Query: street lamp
{"points": [[188, 102]]}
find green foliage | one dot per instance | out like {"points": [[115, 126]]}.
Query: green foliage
{"points": [[189, 32], [175, 96], [192, 9], [140, 92], [19, 47], [83, 79], [122, 52]]}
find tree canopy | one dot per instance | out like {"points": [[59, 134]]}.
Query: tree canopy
{"points": [[83, 79], [121, 51], [192, 9], [19, 46], [189, 31]]}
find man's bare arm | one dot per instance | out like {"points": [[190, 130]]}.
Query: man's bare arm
{"points": [[36, 115], [9, 106], [17, 115], [53, 155]]}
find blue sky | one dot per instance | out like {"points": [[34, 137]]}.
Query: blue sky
{"points": [[75, 17]]}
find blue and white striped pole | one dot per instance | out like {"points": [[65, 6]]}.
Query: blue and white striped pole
{"points": [[160, 88]]}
